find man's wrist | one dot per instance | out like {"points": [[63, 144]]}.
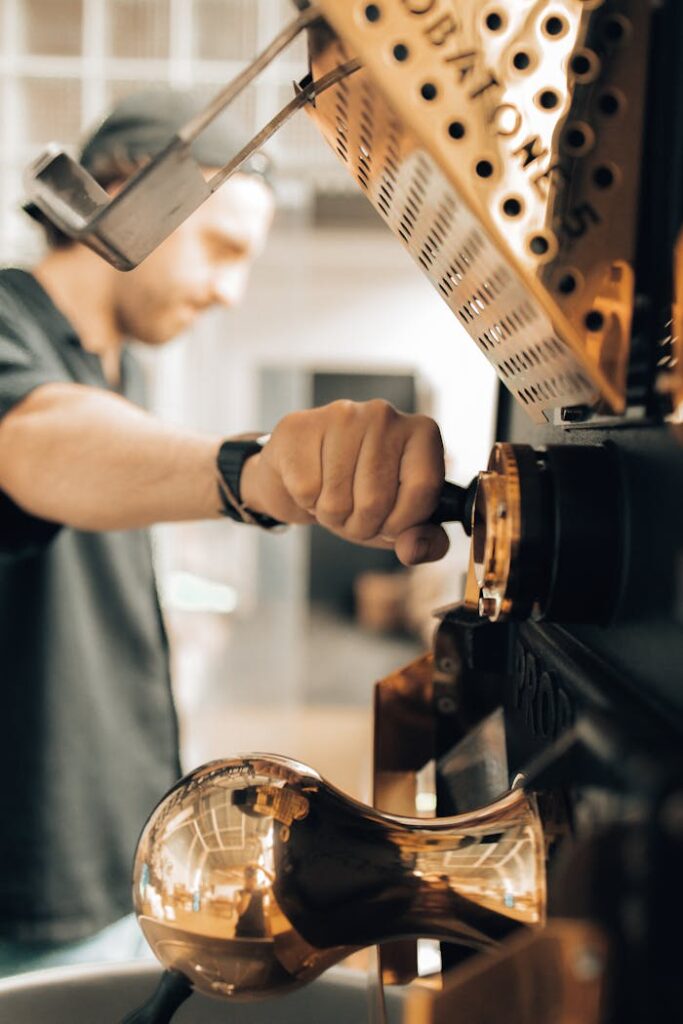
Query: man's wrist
{"points": [[232, 456]]}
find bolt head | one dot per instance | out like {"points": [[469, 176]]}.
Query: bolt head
{"points": [[588, 964]]}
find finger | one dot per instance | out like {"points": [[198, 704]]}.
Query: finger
{"points": [[262, 491], [422, 543], [376, 478], [421, 477], [295, 454], [341, 445], [376, 542]]}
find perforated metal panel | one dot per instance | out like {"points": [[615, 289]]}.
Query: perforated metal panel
{"points": [[501, 143]]}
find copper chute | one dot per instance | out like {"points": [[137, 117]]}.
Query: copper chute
{"points": [[254, 875]]}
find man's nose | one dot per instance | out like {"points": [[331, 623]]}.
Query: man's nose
{"points": [[229, 284]]}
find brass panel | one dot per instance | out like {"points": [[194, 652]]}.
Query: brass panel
{"points": [[556, 976], [501, 143]]}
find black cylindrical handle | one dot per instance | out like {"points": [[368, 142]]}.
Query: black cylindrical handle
{"points": [[455, 504], [173, 990]]}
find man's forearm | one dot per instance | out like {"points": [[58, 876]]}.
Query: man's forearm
{"points": [[89, 459], [93, 461]]}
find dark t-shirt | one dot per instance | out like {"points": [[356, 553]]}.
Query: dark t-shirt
{"points": [[88, 735]]}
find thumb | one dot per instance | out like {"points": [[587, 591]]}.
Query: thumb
{"points": [[424, 543]]}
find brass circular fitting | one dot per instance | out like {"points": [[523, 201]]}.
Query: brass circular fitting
{"points": [[547, 533], [496, 532]]}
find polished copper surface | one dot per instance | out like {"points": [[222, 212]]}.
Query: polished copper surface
{"points": [[501, 142], [670, 362], [404, 741], [253, 875]]}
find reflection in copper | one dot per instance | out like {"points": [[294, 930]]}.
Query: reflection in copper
{"points": [[253, 875]]}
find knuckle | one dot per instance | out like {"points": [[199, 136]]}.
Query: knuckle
{"points": [[372, 508], [343, 409], [430, 428], [382, 410], [422, 492], [357, 530], [332, 509], [303, 487], [304, 493], [368, 515], [293, 423]]}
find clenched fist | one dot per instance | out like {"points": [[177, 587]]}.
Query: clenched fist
{"points": [[366, 472]]}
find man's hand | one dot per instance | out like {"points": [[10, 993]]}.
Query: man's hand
{"points": [[366, 472]]}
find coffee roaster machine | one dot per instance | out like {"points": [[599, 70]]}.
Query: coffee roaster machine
{"points": [[529, 155]]}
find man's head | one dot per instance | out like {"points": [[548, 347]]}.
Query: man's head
{"points": [[207, 260]]}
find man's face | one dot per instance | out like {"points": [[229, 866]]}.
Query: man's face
{"points": [[205, 262]]}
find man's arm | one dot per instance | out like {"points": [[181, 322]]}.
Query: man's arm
{"points": [[91, 460]]}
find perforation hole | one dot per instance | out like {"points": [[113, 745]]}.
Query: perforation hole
{"points": [[429, 91], [494, 21], [548, 99], [372, 13], [512, 206], [578, 139], [554, 27], [521, 60], [484, 168], [603, 177], [615, 29], [542, 245], [585, 66], [594, 321], [401, 52], [567, 284], [609, 103], [456, 130]]}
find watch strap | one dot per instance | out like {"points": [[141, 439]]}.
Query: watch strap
{"points": [[232, 455]]}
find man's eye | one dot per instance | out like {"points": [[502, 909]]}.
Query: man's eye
{"points": [[225, 249]]}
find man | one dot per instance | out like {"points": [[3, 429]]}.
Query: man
{"points": [[89, 740]]}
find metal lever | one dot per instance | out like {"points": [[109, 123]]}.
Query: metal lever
{"points": [[127, 227]]}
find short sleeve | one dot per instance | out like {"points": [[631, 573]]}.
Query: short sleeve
{"points": [[25, 364]]}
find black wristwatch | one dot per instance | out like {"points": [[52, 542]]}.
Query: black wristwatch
{"points": [[231, 457]]}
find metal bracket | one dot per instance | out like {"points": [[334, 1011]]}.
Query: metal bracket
{"points": [[127, 227]]}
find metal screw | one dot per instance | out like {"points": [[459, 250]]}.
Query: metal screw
{"points": [[445, 705], [588, 964], [446, 664]]}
